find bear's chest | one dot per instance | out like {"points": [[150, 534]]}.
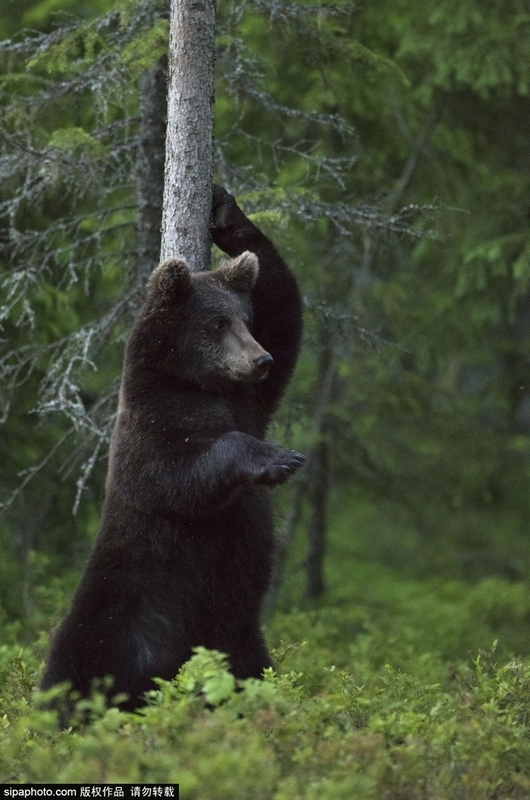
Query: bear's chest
{"points": [[245, 417]]}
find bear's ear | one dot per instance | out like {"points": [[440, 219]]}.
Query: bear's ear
{"points": [[171, 280], [239, 274]]}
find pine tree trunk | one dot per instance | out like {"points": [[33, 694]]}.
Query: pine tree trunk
{"points": [[313, 486], [319, 466], [150, 168], [188, 170], [284, 541], [317, 528]]}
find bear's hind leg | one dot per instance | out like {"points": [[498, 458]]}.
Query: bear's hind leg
{"points": [[248, 656]]}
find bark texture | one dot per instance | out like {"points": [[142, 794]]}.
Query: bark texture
{"points": [[188, 169], [319, 466]]}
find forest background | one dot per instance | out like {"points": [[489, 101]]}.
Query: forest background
{"points": [[385, 148]]}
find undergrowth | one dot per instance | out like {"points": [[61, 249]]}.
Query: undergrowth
{"points": [[407, 690]]}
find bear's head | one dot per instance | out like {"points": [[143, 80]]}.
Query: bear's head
{"points": [[196, 327]]}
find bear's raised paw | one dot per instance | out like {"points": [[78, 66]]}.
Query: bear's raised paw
{"points": [[280, 467]]}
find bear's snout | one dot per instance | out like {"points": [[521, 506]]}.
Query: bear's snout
{"points": [[262, 364]]}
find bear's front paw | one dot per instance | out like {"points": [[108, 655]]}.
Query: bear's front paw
{"points": [[226, 213], [220, 197], [280, 467]]}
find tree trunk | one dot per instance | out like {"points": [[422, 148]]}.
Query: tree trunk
{"points": [[150, 168], [318, 499], [188, 170], [318, 479], [313, 482], [283, 545]]}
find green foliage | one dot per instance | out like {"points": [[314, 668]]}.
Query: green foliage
{"points": [[77, 51], [478, 46], [40, 13], [377, 695], [349, 134], [76, 141], [142, 53], [335, 126]]}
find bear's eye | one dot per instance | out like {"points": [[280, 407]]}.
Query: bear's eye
{"points": [[220, 324]]}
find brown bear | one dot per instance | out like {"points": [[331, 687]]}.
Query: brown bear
{"points": [[184, 553]]}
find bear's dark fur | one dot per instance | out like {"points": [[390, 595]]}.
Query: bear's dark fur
{"points": [[184, 553]]}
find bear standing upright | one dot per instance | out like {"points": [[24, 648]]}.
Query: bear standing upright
{"points": [[185, 550]]}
